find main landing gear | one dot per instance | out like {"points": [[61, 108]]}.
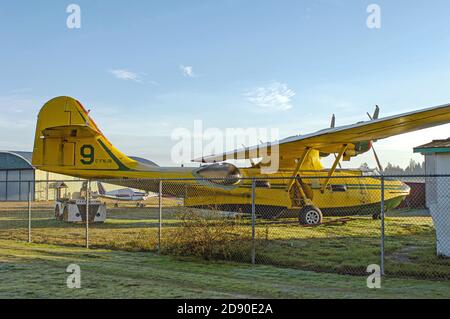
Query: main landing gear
{"points": [[310, 216], [376, 216]]}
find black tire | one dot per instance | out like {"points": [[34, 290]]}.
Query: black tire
{"points": [[65, 215], [310, 216], [58, 214]]}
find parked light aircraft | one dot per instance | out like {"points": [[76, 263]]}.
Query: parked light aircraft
{"points": [[123, 194], [68, 141]]}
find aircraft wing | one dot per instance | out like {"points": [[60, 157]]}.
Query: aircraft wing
{"points": [[331, 140]]}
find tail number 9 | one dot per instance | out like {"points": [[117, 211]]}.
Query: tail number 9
{"points": [[88, 155]]}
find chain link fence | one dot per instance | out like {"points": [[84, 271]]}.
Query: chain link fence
{"points": [[417, 232], [339, 224]]}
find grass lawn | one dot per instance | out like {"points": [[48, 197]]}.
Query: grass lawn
{"points": [[333, 248], [38, 271]]}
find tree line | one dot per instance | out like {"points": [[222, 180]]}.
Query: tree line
{"points": [[414, 168]]}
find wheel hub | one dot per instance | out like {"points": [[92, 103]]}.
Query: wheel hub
{"points": [[312, 217]]}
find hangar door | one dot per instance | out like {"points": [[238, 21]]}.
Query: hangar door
{"points": [[15, 185], [16, 177]]}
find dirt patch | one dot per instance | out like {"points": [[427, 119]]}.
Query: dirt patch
{"points": [[402, 255]]}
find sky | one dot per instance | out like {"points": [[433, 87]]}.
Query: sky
{"points": [[147, 68]]}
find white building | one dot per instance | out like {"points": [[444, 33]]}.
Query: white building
{"points": [[437, 162]]}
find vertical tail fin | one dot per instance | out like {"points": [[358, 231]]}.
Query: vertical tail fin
{"points": [[101, 189], [68, 141]]}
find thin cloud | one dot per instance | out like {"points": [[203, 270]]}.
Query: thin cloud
{"points": [[126, 75], [21, 90], [276, 96], [188, 71]]}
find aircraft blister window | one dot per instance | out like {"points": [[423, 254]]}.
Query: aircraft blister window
{"points": [[223, 174]]}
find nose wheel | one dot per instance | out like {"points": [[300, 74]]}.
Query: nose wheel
{"points": [[310, 216]]}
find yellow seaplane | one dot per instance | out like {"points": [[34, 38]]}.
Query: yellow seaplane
{"points": [[68, 142]]}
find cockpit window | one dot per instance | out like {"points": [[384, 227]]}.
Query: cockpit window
{"points": [[222, 174]]}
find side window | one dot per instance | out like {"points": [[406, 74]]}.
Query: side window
{"points": [[339, 188]]}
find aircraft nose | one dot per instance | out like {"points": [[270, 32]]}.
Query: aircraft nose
{"points": [[405, 187]]}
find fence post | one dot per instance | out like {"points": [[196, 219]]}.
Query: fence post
{"points": [[29, 212], [253, 221], [382, 226], [88, 195], [160, 216]]}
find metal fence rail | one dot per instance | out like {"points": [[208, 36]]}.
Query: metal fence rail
{"points": [[391, 221]]}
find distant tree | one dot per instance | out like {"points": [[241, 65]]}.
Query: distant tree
{"points": [[413, 168]]}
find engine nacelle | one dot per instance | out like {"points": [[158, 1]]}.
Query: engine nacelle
{"points": [[357, 149], [363, 147], [222, 174]]}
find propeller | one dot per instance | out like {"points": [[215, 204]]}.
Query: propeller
{"points": [[333, 121], [375, 116], [333, 125], [376, 113]]}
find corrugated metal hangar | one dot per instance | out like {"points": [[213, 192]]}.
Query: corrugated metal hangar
{"points": [[18, 176]]}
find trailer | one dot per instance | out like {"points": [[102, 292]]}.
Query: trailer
{"points": [[74, 210]]}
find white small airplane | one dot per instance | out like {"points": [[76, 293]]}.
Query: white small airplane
{"points": [[124, 194]]}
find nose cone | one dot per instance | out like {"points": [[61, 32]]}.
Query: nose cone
{"points": [[396, 188], [405, 188]]}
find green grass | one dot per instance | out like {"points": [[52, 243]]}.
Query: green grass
{"points": [[348, 249], [334, 248], [38, 271]]}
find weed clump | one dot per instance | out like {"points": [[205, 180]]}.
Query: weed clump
{"points": [[210, 236]]}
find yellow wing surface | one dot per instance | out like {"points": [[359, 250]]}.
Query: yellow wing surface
{"points": [[357, 137], [68, 141]]}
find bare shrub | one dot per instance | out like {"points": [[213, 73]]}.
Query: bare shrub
{"points": [[209, 236]]}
